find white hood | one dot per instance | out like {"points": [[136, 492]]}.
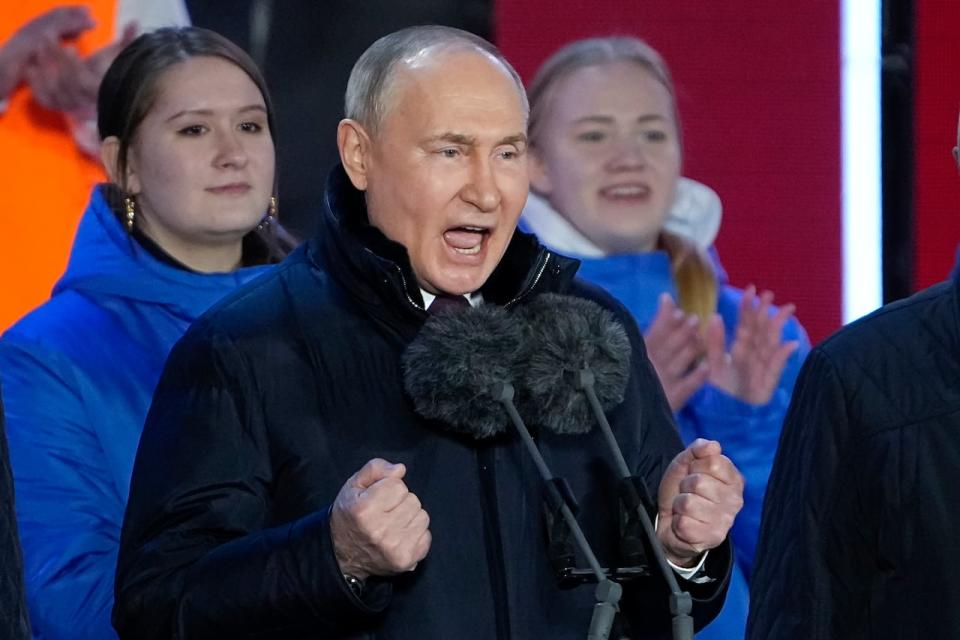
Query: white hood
{"points": [[695, 215]]}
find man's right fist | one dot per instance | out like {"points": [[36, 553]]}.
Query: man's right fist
{"points": [[378, 526]]}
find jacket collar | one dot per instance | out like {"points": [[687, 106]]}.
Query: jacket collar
{"points": [[106, 260], [376, 270]]}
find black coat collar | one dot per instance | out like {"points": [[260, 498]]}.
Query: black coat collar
{"points": [[377, 270]]}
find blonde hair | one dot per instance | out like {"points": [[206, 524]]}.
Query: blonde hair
{"points": [[690, 266], [693, 275]]}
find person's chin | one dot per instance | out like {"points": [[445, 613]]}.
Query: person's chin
{"points": [[460, 280]]}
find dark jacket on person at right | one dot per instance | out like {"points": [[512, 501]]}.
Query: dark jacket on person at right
{"points": [[860, 535]]}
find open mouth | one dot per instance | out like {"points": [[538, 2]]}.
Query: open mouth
{"points": [[466, 240]]}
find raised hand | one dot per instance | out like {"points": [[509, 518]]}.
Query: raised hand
{"points": [[60, 80], [37, 37], [378, 526], [751, 370], [700, 495], [675, 346]]}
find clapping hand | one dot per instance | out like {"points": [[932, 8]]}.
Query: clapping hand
{"points": [[675, 347], [39, 37], [751, 370]]}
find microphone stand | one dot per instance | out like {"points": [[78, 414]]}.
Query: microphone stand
{"points": [[608, 592], [681, 603]]}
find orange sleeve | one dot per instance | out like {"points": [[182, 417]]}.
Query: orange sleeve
{"points": [[45, 180]]}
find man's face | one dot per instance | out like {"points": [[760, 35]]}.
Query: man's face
{"points": [[446, 172]]}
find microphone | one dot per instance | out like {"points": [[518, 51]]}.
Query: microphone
{"points": [[578, 365], [459, 370]]}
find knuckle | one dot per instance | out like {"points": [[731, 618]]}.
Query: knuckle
{"points": [[378, 538], [684, 527], [414, 501], [358, 510]]}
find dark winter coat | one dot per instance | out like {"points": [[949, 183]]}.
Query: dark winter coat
{"points": [[13, 604], [861, 525], [283, 391]]}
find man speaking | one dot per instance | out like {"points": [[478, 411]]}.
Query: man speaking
{"points": [[286, 488]]}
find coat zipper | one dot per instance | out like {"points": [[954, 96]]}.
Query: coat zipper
{"points": [[520, 296], [536, 280], [403, 281]]}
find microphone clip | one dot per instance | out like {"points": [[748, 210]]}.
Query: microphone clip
{"points": [[561, 548]]}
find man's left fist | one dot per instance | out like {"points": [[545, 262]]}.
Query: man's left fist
{"points": [[700, 495]]}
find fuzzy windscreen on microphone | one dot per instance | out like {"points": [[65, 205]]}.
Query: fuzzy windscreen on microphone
{"points": [[454, 362], [563, 334]]}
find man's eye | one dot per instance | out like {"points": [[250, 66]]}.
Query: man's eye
{"points": [[192, 130], [509, 154], [450, 153]]}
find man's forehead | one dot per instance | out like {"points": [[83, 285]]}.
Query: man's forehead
{"points": [[464, 70]]}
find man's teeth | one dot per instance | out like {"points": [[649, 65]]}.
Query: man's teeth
{"points": [[468, 252]]}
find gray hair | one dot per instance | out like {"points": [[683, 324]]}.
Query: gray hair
{"points": [[593, 52], [371, 79]]}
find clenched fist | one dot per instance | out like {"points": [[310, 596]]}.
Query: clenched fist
{"points": [[700, 495], [378, 526]]}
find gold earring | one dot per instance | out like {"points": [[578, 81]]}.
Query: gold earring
{"points": [[271, 216], [129, 206]]}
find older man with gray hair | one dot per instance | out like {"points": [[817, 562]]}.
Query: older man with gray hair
{"points": [[285, 487]]}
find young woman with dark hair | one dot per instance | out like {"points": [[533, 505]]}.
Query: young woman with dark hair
{"points": [[189, 215]]}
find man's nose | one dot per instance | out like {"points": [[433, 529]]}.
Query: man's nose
{"points": [[481, 189]]}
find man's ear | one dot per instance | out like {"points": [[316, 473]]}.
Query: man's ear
{"points": [[354, 145], [110, 156], [539, 177]]}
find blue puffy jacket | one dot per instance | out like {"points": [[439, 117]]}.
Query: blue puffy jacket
{"points": [[748, 433], [78, 375]]}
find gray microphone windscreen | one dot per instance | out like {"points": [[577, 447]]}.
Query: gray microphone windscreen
{"points": [[564, 334], [454, 362]]}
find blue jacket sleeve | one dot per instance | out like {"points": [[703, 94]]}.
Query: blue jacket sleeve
{"points": [[67, 505], [749, 436]]}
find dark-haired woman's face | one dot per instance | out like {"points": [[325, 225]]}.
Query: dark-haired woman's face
{"points": [[608, 155], [202, 161]]}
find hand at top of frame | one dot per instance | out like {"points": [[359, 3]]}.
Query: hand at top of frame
{"points": [[37, 37]]}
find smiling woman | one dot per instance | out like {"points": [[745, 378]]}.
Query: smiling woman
{"points": [[190, 214]]}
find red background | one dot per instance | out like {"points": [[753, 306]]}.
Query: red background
{"points": [[759, 95], [937, 97]]}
